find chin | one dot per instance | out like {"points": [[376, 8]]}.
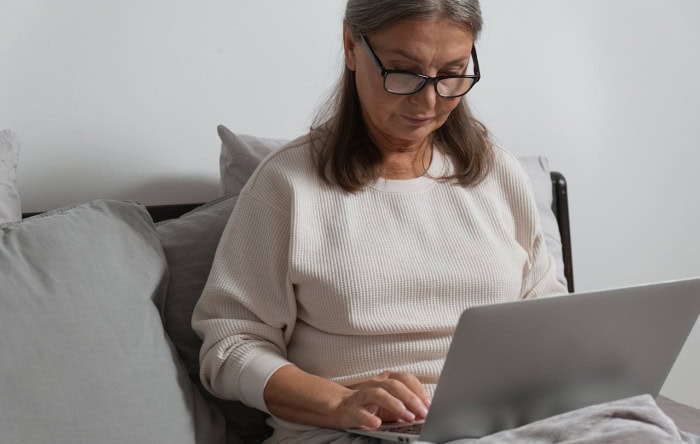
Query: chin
{"points": [[416, 135]]}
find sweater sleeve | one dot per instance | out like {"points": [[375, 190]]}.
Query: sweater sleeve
{"points": [[540, 273], [540, 276], [247, 311]]}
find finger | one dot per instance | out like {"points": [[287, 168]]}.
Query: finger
{"points": [[366, 420], [367, 408], [390, 407], [412, 382], [411, 401]]}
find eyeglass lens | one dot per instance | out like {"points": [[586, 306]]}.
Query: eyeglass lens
{"points": [[405, 83]]}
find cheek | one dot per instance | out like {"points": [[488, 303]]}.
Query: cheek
{"points": [[445, 108], [376, 102], [448, 105], [367, 89]]}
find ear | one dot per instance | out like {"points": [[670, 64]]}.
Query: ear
{"points": [[350, 46]]}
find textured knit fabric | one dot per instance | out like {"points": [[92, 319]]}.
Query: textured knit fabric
{"points": [[347, 285], [626, 421]]}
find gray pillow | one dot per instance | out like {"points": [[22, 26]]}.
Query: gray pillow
{"points": [[83, 354], [240, 156], [190, 243], [10, 209]]}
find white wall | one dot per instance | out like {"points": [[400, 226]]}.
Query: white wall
{"points": [[609, 91], [121, 99]]}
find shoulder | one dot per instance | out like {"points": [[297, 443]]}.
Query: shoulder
{"points": [[511, 181], [293, 159], [508, 172], [506, 165], [282, 173]]}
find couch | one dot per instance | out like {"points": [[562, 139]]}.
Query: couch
{"points": [[95, 303]]}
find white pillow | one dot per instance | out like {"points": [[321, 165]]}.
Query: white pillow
{"points": [[241, 154], [10, 209]]}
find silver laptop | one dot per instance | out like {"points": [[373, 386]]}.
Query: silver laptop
{"points": [[514, 363]]}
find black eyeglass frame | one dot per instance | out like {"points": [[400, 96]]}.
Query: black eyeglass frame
{"points": [[385, 72]]}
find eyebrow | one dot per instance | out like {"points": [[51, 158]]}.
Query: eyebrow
{"points": [[413, 58]]}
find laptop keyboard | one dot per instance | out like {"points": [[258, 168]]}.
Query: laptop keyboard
{"points": [[411, 429]]}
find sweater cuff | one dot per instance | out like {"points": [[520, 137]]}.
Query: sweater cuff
{"points": [[254, 376]]}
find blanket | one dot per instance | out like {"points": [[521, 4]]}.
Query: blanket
{"points": [[633, 420]]}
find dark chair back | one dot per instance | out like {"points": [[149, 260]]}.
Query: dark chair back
{"points": [[560, 206]]}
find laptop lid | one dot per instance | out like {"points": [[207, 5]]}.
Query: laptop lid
{"points": [[513, 363]]}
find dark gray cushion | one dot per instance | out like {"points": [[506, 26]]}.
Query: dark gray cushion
{"points": [[83, 354], [190, 243]]}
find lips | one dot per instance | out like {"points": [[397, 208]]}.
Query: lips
{"points": [[417, 120]]}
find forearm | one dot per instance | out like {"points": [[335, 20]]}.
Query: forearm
{"points": [[296, 396]]}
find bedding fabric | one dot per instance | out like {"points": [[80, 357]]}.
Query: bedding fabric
{"points": [[627, 421], [10, 209], [241, 154], [686, 417], [83, 354]]}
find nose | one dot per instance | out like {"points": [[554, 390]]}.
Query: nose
{"points": [[426, 97]]}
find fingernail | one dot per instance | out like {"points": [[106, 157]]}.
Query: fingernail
{"points": [[408, 415], [422, 411]]}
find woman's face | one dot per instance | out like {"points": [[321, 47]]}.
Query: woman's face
{"points": [[430, 47]]}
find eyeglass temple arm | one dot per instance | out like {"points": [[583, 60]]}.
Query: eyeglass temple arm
{"points": [[477, 71], [374, 57]]}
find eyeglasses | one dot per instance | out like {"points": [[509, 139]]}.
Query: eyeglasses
{"points": [[398, 81]]}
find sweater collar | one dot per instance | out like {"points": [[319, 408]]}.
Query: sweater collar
{"points": [[434, 172]]}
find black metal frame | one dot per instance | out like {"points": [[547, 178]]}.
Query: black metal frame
{"points": [[560, 207]]}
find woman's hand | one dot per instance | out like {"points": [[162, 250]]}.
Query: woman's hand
{"points": [[391, 396], [294, 395]]}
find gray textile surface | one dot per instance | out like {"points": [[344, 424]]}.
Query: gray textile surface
{"points": [[627, 421], [686, 417], [10, 208], [83, 355], [240, 156], [190, 243]]}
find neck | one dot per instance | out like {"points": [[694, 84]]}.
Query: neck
{"points": [[398, 165]]}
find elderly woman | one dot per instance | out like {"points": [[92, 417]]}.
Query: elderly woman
{"points": [[353, 250]]}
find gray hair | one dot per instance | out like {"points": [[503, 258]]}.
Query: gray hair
{"points": [[367, 16]]}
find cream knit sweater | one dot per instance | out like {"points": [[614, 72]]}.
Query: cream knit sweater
{"points": [[346, 286]]}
